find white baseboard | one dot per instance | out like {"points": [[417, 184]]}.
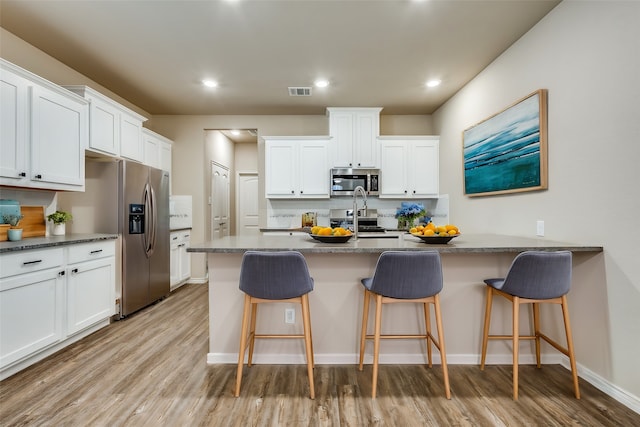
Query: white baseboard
{"points": [[622, 396], [198, 280]]}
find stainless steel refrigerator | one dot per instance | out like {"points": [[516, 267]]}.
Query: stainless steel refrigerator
{"points": [[131, 200], [143, 222]]}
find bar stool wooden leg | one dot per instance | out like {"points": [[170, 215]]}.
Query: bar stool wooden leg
{"points": [[572, 356], [516, 343], [376, 345], [427, 323], [536, 331], [306, 321], [363, 333], [487, 321], [243, 342], [252, 332], [443, 352]]}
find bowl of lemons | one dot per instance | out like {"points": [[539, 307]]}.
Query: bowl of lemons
{"points": [[330, 235], [435, 234]]}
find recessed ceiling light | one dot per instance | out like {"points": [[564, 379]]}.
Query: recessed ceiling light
{"points": [[210, 83], [235, 132], [321, 83], [433, 83]]}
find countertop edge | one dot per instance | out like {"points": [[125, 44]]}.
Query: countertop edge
{"points": [[52, 241], [470, 244]]}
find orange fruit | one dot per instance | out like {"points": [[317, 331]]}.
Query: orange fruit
{"points": [[441, 229], [431, 226], [429, 232], [452, 232]]}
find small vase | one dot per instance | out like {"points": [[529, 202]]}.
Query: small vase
{"points": [[405, 223], [14, 234], [58, 229]]}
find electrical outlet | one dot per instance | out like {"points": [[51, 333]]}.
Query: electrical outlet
{"points": [[540, 228], [289, 315]]}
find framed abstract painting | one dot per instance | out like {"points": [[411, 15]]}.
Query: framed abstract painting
{"points": [[507, 152]]}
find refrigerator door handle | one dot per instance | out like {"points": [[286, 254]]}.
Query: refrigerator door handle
{"points": [[148, 224], [154, 222]]}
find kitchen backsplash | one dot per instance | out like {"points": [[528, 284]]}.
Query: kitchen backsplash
{"points": [[288, 213]]}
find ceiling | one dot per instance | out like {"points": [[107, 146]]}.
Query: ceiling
{"points": [[374, 53]]}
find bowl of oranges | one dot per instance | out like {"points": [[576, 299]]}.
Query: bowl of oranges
{"points": [[330, 235], [435, 234]]}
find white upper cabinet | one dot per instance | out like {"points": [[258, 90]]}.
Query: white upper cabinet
{"points": [[114, 129], [410, 167], [44, 132], [296, 167], [157, 150], [354, 133]]}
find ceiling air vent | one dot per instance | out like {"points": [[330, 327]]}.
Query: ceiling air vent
{"points": [[299, 91]]}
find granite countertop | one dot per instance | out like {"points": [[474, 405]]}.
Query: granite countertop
{"points": [[465, 243], [51, 241]]}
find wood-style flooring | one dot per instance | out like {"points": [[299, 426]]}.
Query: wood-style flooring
{"points": [[150, 370]]}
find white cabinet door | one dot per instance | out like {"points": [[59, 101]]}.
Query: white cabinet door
{"points": [[104, 127], [409, 167], [281, 169], [180, 267], [366, 144], [165, 156], [354, 133], [151, 151], [131, 138], [157, 150], [13, 128], [424, 169], [313, 174], [90, 293], [393, 161], [59, 135], [31, 313], [185, 258], [296, 168], [174, 259]]}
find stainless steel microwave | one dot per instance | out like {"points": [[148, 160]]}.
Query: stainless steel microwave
{"points": [[345, 180]]}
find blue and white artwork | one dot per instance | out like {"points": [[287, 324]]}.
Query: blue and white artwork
{"points": [[507, 152]]}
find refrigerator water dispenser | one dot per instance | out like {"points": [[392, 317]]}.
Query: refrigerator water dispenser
{"points": [[136, 219]]}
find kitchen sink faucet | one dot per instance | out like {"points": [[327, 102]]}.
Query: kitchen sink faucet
{"points": [[358, 189]]}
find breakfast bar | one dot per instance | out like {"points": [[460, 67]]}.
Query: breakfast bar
{"points": [[336, 301]]}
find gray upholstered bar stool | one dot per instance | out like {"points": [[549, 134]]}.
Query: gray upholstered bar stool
{"points": [[535, 277], [405, 277], [268, 277]]}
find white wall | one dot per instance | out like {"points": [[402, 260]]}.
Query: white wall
{"points": [[587, 54]]}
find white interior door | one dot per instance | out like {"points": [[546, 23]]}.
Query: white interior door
{"points": [[247, 204], [219, 201]]}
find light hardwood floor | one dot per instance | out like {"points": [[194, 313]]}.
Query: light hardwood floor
{"points": [[150, 370]]}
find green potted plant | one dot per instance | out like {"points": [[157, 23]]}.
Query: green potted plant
{"points": [[14, 233], [59, 219]]}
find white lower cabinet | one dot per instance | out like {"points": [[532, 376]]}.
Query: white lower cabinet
{"points": [[50, 298], [90, 285], [31, 313], [180, 268]]}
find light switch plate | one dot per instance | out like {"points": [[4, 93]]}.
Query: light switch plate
{"points": [[540, 228]]}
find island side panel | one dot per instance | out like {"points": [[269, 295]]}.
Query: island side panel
{"points": [[336, 310]]}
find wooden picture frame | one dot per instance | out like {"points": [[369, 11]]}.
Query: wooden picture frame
{"points": [[507, 153]]}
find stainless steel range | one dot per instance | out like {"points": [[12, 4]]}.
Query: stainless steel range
{"points": [[367, 219]]}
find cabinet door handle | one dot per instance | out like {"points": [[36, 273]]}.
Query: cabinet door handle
{"points": [[31, 262], [38, 176], [292, 192], [405, 191], [181, 245], [97, 251], [414, 191], [60, 274], [301, 191], [22, 174], [75, 270], [175, 238]]}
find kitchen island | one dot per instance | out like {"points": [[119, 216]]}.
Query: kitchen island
{"points": [[336, 302]]}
